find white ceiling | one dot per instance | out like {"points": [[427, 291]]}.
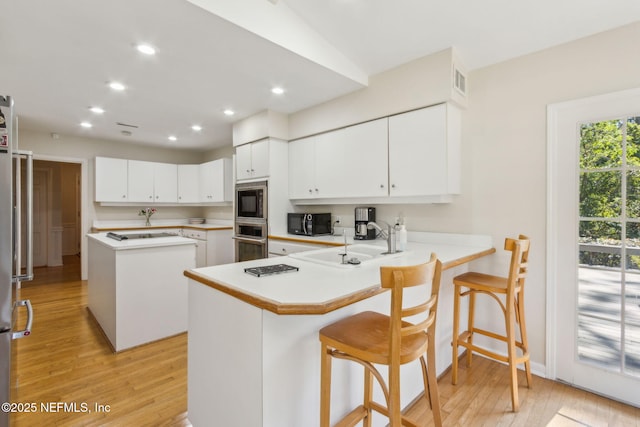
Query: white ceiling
{"points": [[56, 56]]}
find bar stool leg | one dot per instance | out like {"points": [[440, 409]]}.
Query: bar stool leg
{"points": [[325, 386], [472, 312], [434, 395], [511, 344], [523, 336], [456, 333], [368, 396]]}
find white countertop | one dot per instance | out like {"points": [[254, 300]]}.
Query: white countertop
{"points": [[319, 284], [155, 242]]}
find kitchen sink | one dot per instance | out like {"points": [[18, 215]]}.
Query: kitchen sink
{"points": [[356, 254]]}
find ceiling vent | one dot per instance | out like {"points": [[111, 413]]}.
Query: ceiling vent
{"points": [[127, 125], [459, 81]]}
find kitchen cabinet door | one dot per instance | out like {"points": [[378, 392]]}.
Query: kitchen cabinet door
{"points": [[424, 152], [252, 160], [302, 168], [220, 247], [352, 162], [188, 184], [215, 181], [165, 183], [140, 181], [243, 161], [111, 180], [260, 158]]}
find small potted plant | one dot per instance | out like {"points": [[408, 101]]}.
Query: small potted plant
{"points": [[147, 212]]}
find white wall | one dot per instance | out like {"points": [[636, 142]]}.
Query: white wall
{"points": [[504, 146]]}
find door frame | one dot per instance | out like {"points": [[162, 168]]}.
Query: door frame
{"points": [[84, 213], [554, 193]]}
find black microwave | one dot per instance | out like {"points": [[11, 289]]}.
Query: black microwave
{"points": [[307, 224], [251, 201]]}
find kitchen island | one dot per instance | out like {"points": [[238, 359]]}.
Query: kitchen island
{"points": [[136, 289], [254, 354]]}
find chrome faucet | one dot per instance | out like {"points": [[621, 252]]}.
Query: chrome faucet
{"points": [[390, 235]]}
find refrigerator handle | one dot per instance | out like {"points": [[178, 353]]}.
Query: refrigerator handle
{"points": [[27, 329], [28, 155]]}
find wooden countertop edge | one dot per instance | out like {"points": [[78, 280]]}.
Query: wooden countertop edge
{"points": [[285, 308], [466, 259], [303, 240], [161, 227]]}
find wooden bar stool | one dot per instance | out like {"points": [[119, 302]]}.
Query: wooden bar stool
{"points": [[373, 338], [512, 287]]}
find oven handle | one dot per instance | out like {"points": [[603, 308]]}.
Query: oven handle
{"points": [[249, 239]]}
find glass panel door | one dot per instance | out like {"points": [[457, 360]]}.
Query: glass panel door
{"points": [[608, 315]]}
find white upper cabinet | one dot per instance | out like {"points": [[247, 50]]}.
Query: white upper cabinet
{"points": [[252, 160], [140, 182], [152, 182], [356, 163], [111, 180], [302, 168], [216, 181], [188, 184], [349, 162], [411, 157], [165, 183], [424, 152]]}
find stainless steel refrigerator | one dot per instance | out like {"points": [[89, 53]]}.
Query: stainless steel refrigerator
{"points": [[16, 214]]}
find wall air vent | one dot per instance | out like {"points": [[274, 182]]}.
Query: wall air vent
{"points": [[460, 81]]}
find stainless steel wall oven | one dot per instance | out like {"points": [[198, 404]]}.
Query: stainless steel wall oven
{"points": [[251, 221]]}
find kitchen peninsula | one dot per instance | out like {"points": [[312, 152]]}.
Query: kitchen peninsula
{"points": [[136, 289], [254, 354]]}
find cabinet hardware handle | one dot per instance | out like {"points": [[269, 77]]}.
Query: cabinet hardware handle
{"points": [[381, 185], [393, 186], [124, 196], [316, 190], [151, 197], [310, 191]]}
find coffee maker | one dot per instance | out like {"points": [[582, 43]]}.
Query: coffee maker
{"points": [[362, 217]]}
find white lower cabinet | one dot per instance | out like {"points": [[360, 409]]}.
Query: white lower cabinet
{"points": [[283, 248], [214, 246], [200, 236]]}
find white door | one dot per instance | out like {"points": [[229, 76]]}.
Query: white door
{"points": [[593, 324]]}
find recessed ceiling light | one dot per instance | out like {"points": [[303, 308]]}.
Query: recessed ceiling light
{"points": [[172, 138], [146, 49], [196, 128], [86, 124], [116, 86], [277, 90], [229, 112], [96, 110]]}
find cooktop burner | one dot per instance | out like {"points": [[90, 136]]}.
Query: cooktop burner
{"points": [[267, 270], [138, 235]]}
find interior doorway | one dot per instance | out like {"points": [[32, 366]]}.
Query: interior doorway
{"points": [[57, 220]]}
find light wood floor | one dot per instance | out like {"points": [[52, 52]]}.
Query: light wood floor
{"points": [[66, 359]]}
